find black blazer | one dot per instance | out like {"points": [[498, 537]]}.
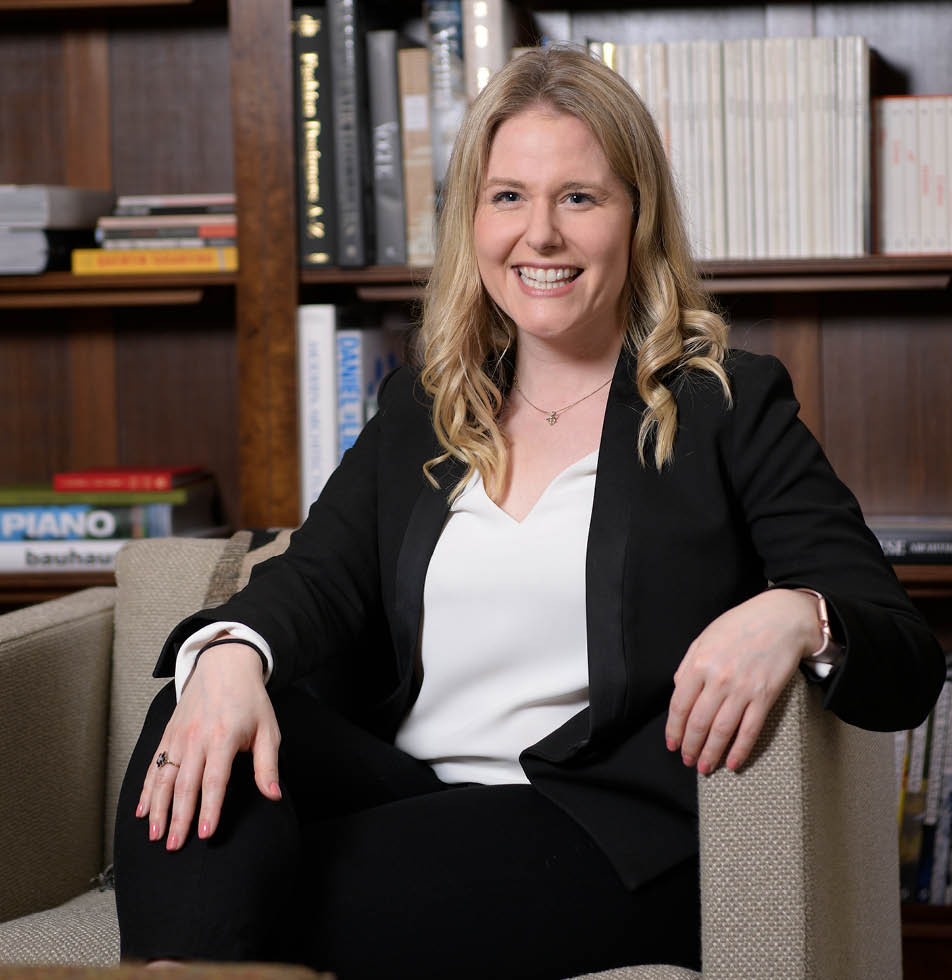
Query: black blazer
{"points": [[749, 499]]}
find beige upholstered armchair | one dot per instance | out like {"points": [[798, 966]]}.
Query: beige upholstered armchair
{"points": [[798, 851]]}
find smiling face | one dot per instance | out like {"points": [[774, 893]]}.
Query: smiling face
{"points": [[552, 231]]}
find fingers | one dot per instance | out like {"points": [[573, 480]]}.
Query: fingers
{"points": [[265, 756]]}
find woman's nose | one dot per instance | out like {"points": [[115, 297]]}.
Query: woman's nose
{"points": [[542, 233]]}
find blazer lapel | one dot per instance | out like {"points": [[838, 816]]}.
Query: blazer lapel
{"points": [[609, 538]]}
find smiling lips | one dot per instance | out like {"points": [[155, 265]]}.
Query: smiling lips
{"points": [[547, 279]]}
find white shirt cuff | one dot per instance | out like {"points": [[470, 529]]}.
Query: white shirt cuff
{"points": [[188, 651]]}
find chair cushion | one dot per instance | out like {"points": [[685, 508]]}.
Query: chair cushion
{"points": [[652, 972], [81, 932]]}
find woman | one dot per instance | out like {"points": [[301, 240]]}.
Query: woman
{"points": [[531, 600]]}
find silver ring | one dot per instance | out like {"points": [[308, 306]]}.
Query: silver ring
{"points": [[164, 760]]}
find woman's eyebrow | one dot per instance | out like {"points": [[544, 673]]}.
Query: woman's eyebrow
{"points": [[569, 185]]}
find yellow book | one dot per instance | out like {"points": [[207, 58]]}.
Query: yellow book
{"points": [[134, 261]]}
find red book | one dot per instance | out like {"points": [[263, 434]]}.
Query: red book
{"points": [[128, 478]]}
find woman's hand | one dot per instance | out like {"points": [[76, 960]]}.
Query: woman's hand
{"points": [[734, 672], [224, 709]]}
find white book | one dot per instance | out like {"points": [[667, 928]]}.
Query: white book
{"points": [[909, 170], [52, 206], [703, 189], [317, 398], [948, 171], [60, 556], [775, 135], [844, 147], [489, 32], [863, 214], [734, 151], [892, 213], [758, 139], [806, 191], [719, 189], [792, 141], [821, 157], [630, 63], [926, 164], [682, 156], [656, 69], [941, 113], [881, 152]]}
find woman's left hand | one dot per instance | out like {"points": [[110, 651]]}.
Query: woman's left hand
{"points": [[734, 672]]}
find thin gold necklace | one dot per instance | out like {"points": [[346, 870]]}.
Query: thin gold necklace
{"points": [[553, 416]]}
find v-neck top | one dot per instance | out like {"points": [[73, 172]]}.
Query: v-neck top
{"points": [[503, 643]]}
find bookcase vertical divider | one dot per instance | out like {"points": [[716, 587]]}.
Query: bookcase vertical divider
{"points": [[267, 287], [88, 116], [93, 396], [797, 343]]}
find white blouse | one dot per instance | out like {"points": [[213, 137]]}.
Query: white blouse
{"points": [[503, 646]]}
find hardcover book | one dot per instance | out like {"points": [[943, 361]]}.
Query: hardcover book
{"points": [[128, 478], [137, 261], [351, 133], [314, 136], [390, 217], [447, 81], [414, 74], [29, 251]]}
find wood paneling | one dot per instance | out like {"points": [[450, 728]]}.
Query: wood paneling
{"points": [[267, 292], [87, 120], [170, 102]]}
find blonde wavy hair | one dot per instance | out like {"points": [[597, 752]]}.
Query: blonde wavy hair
{"points": [[465, 344]]}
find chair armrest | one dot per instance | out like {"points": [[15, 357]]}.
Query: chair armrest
{"points": [[54, 693], [799, 852]]}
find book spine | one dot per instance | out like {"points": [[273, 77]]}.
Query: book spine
{"points": [[317, 399], [68, 482], [893, 214], [926, 161], [943, 833], [774, 134], [390, 219], [864, 148], [910, 832], [933, 793], [488, 36], [758, 135], [444, 20], [806, 193], [58, 556], [351, 133], [940, 183], [716, 161], [114, 244], [314, 128], [658, 99], [208, 230], [71, 522], [912, 241], [364, 356], [414, 66], [97, 261]]}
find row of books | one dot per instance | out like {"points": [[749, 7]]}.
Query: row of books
{"points": [[343, 355], [924, 787], [376, 113], [81, 520], [910, 539], [769, 139], [913, 160]]}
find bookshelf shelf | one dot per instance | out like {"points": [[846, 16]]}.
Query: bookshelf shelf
{"points": [[20, 589], [864, 274], [63, 289]]}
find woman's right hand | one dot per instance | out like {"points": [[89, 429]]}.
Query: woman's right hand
{"points": [[224, 709]]}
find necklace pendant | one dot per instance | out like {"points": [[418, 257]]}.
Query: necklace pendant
{"points": [[552, 418]]}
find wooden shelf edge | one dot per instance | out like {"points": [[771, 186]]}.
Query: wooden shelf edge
{"points": [[932, 922], [55, 282], [869, 272]]}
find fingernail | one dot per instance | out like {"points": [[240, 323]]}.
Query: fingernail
{"points": [[671, 744], [688, 760], [172, 843], [154, 832], [732, 764], [140, 810], [276, 790], [204, 830], [703, 767]]}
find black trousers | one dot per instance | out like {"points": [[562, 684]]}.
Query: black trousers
{"points": [[371, 867]]}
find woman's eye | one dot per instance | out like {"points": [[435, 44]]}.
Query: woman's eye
{"points": [[579, 197], [506, 197]]}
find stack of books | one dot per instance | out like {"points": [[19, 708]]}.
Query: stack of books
{"points": [[164, 233], [913, 160], [41, 224], [80, 521], [914, 539]]}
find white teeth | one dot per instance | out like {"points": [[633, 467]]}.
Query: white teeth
{"points": [[546, 278]]}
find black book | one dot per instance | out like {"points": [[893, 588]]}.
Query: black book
{"points": [[314, 137], [352, 157], [914, 539]]}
